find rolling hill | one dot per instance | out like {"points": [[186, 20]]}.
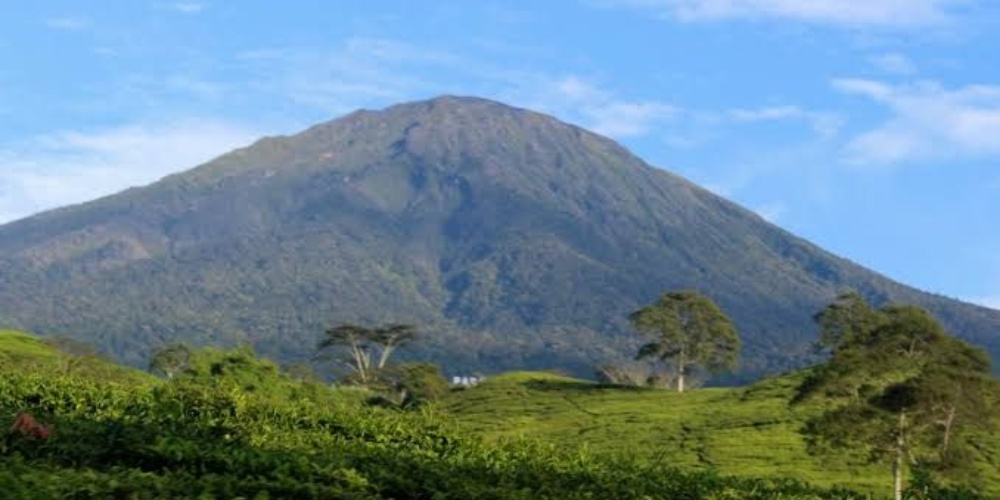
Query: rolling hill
{"points": [[514, 240], [240, 428], [232, 424], [748, 431]]}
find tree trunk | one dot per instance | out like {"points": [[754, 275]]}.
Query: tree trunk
{"points": [[680, 372], [948, 424], [361, 361], [897, 464], [384, 356], [897, 477]]}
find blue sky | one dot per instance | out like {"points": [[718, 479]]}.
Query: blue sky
{"points": [[869, 127]]}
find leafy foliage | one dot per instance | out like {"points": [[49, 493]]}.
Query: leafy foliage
{"points": [[689, 330], [368, 349], [202, 435], [909, 388], [635, 374], [171, 360], [414, 383], [846, 320]]}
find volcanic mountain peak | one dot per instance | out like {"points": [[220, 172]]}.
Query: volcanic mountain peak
{"points": [[455, 134], [513, 239]]}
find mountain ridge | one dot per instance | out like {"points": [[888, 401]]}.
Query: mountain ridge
{"points": [[507, 234]]}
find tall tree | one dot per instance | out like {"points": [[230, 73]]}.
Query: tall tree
{"points": [[955, 392], [369, 349], [390, 337], [845, 320], [687, 329], [906, 386]]}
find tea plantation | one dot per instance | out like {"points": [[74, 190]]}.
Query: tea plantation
{"points": [[237, 426]]}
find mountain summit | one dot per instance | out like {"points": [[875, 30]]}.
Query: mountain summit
{"points": [[514, 240]]}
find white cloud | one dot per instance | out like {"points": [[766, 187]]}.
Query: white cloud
{"points": [[927, 121], [68, 23], [876, 13], [873, 89], [720, 189], [826, 125], [601, 110], [577, 89], [188, 7], [605, 111], [993, 302], [365, 72], [73, 166], [360, 72], [893, 64], [627, 119], [772, 212]]}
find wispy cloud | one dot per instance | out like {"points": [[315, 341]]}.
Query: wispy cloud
{"points": [[365, 72], [188, 7], [374, 71], [606, 111], [602, 110], [75, 166], [608, 114], [927, 121], [359, 72], [625, 119], [68, 23], [826, 125], [893, 64], [993, 302], [852, 13], [772, 212]]}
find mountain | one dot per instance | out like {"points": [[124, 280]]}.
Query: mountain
{"points": [[512, 239]]}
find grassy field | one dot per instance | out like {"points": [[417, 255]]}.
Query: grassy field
{"points": [[749, 431]]}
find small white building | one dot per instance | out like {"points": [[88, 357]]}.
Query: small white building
{"points": [[466, 381]]}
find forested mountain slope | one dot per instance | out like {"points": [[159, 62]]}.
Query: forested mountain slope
{"points": [[512, 239]]}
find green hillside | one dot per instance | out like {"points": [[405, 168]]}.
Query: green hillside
{"points": [[749, 431], [25, 352], [514, 240], [19, 347], [242, 429]]}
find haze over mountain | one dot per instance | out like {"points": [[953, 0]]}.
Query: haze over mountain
{"points": [[513, 240]]}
